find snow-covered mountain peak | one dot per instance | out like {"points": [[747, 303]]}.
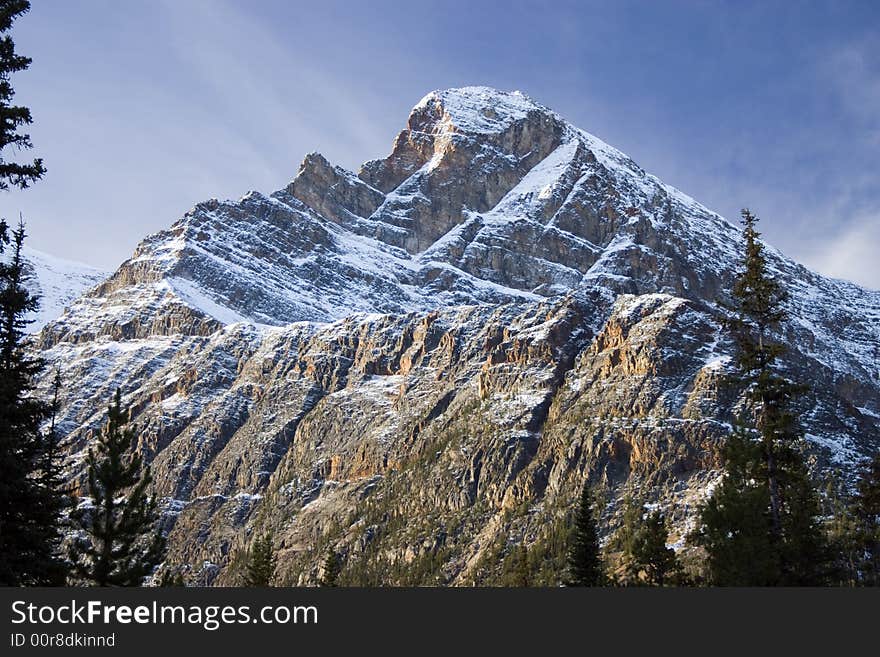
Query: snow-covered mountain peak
{"points": [[503, 298], [487, 197], [484, 110], [57, 282], [478, 110]]}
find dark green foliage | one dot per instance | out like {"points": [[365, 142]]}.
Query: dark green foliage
{"points": [[734, 527], [866, 517], [806, 555], [261, 562], [840, 528], [515, 568], [30, 497], [584, 561], [762, 524], [620, 546], [120, 542], [650, 554], [331, 569], [13, 117], [640, 545], [50, 477], [757, 311], [631, 517], [548, 555]]}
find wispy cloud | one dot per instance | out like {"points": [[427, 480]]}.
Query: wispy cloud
{"points": [[280, 87], [851, 253], [852, 73]]}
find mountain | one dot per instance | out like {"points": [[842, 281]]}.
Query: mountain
{"points": [[417, 364], [57, 282]]}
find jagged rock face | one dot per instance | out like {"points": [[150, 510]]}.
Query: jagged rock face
{"points": [[333, 192], [458, 154], [479, 410], [421, 362]]}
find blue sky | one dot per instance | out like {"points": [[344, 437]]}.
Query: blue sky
{"points": [[143, 109]]}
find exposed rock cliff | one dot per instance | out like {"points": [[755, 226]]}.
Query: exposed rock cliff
{"points": [[418, 364]]}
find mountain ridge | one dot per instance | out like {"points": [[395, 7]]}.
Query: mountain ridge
{"points": [[503, 288]]}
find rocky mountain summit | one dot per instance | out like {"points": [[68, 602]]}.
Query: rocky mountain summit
{"points": [[416, 365]]}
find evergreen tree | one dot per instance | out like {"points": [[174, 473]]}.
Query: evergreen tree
{"points": [[29, 514], [650, 554], [866, 513], [806, 555], [774, 471], [29, 483], [515, 569], [331, 569], [584, 562], [734, 526], [49, 476], [841, 530], [13, 117], [758, 310], [121, 542], [623, 541], [548, 554], [261, 562]]}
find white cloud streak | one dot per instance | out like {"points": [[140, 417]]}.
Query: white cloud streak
{"points": [[851, 254]]}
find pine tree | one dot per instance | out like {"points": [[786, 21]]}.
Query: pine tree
{"points": [[841, 530], [49, 477], [29, 492], [584, 561], [29, 515], [121, 542], [866, 513], [331, 569], [759, 298], [774, 472], [515, 569], [734, 526], [13, 117], [806, 555], [261, 562], [622, 543], [650, 554]]}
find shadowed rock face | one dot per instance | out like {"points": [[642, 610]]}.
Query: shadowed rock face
{"points": [[418, 365], [333, 192], [442, 167]]}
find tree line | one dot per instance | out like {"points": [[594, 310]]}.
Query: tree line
{"points": [[53, 532], [764, 524], [106, 532]]}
